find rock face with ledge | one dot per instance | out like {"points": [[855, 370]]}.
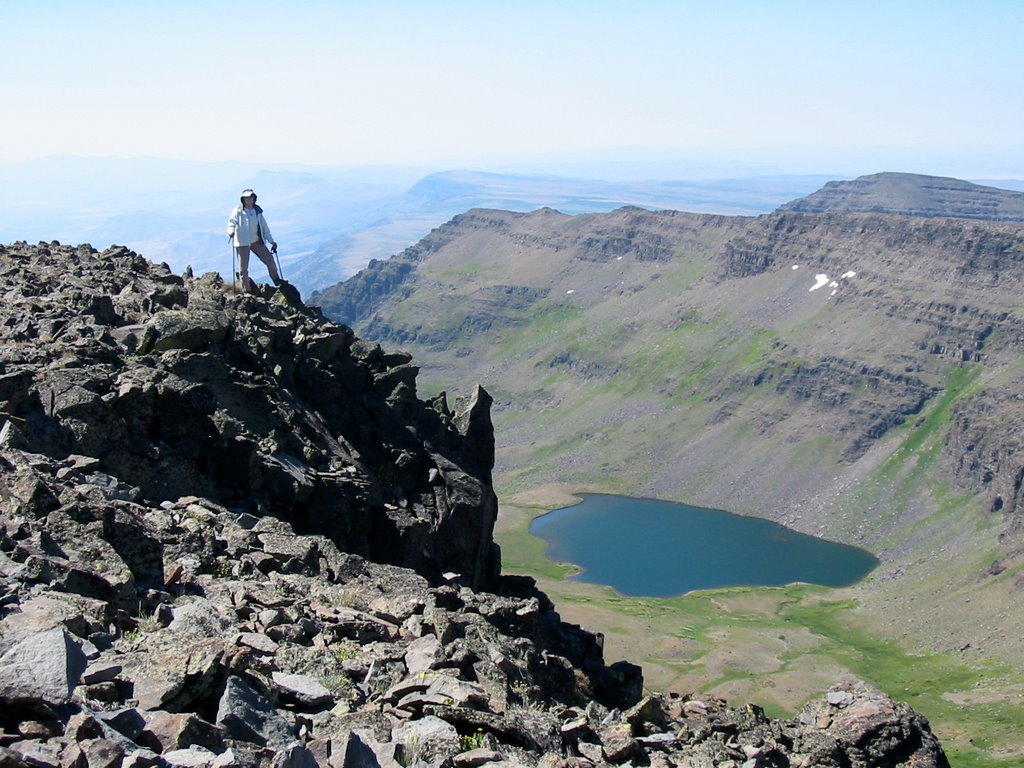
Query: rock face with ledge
{"points": [[171, 388], [232, 535]]}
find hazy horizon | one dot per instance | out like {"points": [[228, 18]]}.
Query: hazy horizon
{"points": [[656, 89]]}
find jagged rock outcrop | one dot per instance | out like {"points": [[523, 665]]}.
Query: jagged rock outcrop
{"points": [[228, 529], [985, 450], [170, 389]]}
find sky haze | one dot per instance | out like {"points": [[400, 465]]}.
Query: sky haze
{"points": [[780, 86]]}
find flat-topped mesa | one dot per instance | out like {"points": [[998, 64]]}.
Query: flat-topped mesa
{"points": [[178, 387], [911, 194]]}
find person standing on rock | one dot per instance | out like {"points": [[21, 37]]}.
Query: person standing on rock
{"points": [[249, 232]]}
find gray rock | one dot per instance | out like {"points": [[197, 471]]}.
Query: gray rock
{"points": [[78, 614], [258, 642], [618, 743], [428, 740], [363, 750], [295, 755], [229, 758], [246, 715], [200, 617], [872, 729], [103, 753], [166, 730], [301, 689], [43, 668], [35, 753], [171, 670], [101, 672], [423, 654], [839, 698], [190, 757], [182, 329], [143, 758], [474, 758], [129, 721]]}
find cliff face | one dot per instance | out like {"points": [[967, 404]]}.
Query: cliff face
{"points": [[985, 450], [231, 535]]}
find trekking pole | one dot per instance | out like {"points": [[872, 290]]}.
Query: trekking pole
{"points": [[234, 267], [280, 273]]}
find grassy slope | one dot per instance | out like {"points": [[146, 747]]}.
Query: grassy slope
{"points": [[607, 388]]}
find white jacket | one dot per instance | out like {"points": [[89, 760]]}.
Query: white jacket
{"points": [[247, 226]]}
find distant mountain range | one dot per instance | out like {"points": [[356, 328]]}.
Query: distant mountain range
{"points": [[330, 221]]}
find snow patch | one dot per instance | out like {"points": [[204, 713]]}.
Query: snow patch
{"points": [[571, 290], [820, 281], [796, 266]]}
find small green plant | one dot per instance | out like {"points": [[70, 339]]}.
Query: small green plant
{"points": [[143, 626], [147, 624], [380, 685], [471, 741], [344, 651], [132, 636], [338, 684], [221, 569], [347, 597], [522, 691]]}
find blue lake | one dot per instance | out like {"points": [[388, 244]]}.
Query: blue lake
{"points": [[646, 547]]}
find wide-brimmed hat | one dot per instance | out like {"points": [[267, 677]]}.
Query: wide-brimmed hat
{"points": [[248, 193]]}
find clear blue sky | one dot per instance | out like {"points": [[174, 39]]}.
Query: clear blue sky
{"points": [[462, 83]]}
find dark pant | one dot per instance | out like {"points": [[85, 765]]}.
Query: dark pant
{"points": [[263, 254]]}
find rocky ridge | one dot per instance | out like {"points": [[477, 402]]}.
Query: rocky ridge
{"points": [[233, 535]]}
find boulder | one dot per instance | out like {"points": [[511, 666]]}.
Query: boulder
{"points": [[172, 670], [302, 690], [429, 740], [183, 329], [42, 669], [248, 716], [873, 729], [423, 654], [165, 731]]}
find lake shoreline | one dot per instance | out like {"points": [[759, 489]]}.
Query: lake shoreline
{"points": [[643, 547]]}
